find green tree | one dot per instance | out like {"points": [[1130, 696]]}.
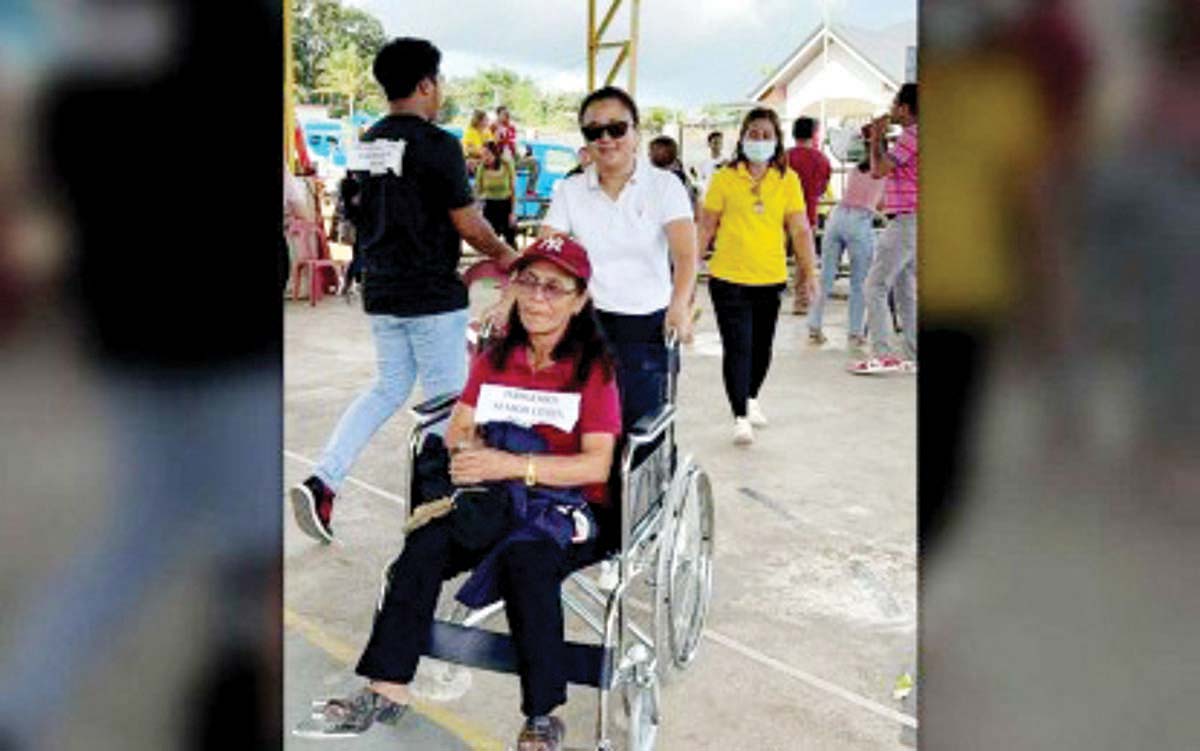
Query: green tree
{"points": [[562, 108], [654, 119], [491, 88], [345, 73], [321, 27]]}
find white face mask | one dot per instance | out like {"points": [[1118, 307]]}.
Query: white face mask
{"points": [[758, 151]]}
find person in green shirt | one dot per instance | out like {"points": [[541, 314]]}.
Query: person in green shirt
{"points": [[494, 184]]}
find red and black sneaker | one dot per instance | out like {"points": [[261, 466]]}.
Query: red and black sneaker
{"points": [[312, 505]]}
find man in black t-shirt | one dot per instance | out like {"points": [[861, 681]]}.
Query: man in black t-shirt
{"points": [[414, 209]]}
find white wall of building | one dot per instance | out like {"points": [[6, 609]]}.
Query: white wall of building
{"points": [[850, 88]]}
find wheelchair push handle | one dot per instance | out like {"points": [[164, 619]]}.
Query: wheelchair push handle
{"points": [[671, 340]]}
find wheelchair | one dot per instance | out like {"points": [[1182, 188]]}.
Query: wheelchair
{"points": [[666, 541]]}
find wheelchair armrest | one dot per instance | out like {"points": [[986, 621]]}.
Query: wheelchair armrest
{"points": [[437, 404], [651, 426]]}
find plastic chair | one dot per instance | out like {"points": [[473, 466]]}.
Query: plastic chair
{"points": [[314, 266]]}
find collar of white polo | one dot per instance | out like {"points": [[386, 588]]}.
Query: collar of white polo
{"points": [[640, 168]]}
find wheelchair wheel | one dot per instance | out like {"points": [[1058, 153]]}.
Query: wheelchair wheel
{"points": [[684, 572]]}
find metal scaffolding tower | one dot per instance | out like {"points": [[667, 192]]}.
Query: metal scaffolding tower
{"points": [[627, 47]]}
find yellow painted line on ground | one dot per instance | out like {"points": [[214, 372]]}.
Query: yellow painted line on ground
{"points": [[475, 738]]}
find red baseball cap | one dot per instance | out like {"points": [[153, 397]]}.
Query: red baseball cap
{"points": [[561, 251]]}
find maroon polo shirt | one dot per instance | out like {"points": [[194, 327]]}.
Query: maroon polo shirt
{"points": [[813, 169], [599, 407]]}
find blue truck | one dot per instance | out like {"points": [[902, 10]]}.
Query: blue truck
{"points": [[326, 140]]}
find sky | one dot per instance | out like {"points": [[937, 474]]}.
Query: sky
{"points": [[691, 52]]}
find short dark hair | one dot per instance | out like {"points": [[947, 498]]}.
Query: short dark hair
{"points": [[665, 141], [669, 144], [714, 135], [403, 63], [803, 128], [907, 95], [610, 92]]}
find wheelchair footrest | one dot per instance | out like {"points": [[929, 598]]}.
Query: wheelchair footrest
{"points": [[585, 664]]}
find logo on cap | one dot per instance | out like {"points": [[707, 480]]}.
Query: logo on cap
{"points": [[554, 243]]}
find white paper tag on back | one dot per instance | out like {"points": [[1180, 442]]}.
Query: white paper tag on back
{"points": [[376, 157], [526, 407]]}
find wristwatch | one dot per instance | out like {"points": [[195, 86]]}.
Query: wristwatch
{"points": [[530, 471]]}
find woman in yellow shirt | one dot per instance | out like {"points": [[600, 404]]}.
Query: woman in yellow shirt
{"points": [[474, 138], [750, 204], [494, 181]]}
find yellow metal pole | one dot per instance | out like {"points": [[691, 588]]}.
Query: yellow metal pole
{"points": [[633, 46], [627, 47], [616, 66], [591, 45], [608, 17], [288, 84]]}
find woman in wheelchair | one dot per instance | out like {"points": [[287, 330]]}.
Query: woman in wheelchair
{"points": [[550, 373]]}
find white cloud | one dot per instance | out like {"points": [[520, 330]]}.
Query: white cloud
{"points": [[691, 52]]}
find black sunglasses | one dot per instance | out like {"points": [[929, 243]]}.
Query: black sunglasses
{"points": [[595, 132]]}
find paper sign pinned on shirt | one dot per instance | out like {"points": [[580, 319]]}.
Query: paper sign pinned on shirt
{"points": [[377, 157], [527, 407]]}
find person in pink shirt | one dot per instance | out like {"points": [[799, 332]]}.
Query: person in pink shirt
{"points": [[894, 267], [850, 228]]}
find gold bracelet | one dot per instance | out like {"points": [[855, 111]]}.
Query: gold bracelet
{"points": [[530, 471]]}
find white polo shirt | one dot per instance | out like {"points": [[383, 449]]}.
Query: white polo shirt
{"points": [[626, 239]]}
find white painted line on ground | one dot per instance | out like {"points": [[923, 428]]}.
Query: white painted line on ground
{"points": [[353, 481], [812, 680], [725, 641]]}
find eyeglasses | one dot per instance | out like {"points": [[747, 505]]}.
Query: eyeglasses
{"points": [[552, 290], [595, 132]]}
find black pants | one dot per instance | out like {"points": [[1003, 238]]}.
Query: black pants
{"points": [[354, 272], [497, 212], [951, 370], [636, 341], [746, 317], [531, 575]]}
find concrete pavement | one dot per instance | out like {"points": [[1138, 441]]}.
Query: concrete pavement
{"points": [[814, 603]]}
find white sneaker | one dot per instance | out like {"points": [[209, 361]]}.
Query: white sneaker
{"points": [[755, 414], [743, 433]]}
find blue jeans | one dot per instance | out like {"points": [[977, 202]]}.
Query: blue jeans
{"points": [[848, 228], [431, 347]]}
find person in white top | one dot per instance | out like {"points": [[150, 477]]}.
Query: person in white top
{"points": [[704, 173], [637, 224]]}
